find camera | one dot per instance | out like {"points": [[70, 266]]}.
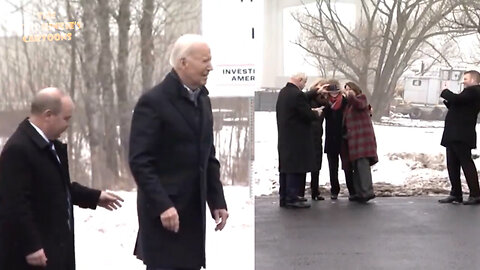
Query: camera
{"points": [[332, 87]]}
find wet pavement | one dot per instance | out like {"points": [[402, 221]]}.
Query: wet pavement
{"points": [[387, 233]]}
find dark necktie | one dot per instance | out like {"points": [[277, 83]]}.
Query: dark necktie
{"points": [[67, 190]]}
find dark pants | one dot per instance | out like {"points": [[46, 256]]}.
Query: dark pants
{"points": [[333, 170], [459, 155], [314, 183], [362, 178], [301, 187], [290, 186]]}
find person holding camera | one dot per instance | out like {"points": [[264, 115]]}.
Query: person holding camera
{"points": [[459, 138], [317, 132], [335, 104]]}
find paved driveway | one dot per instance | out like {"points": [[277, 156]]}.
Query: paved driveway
{"points": [[388, 233]]}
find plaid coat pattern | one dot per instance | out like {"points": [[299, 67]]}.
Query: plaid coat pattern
{"points": [[360, 133]]}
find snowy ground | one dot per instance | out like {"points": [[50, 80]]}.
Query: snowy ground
{"points": [[105, 240], [409, 153]]}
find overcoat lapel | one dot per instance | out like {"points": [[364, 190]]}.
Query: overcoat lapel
{"points": [[203, 102], [186, 108], [62, 153], [180, 100], [42, 144]]}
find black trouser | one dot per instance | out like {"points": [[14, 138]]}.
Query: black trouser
{"points": [[314, 183], [362, 178], [290, 186], [460, 155], [301, 187], [333, 170]]}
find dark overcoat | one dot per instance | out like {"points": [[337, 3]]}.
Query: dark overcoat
{"points": [[317, 129], [360, 134], [461, 117], [172, 159], [294, 124], [334, 128], [33, 201]]}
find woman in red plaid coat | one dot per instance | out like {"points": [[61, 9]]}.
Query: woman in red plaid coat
{"points": [[362, 146]]}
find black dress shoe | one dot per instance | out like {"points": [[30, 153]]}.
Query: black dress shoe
{"points": [[451, 199], [334, 196], [317, 198], [297, 204], [472, 201]]}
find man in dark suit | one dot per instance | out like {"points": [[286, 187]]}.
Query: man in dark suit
{"points": [[36, 195], [172, 158], [296, 153], [459, 137]]}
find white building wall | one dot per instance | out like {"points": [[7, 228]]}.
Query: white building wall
{"points": [[234, 31]]}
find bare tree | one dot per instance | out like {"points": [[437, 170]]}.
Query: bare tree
{"points": [[146, 45], [383, 43], [177, 17], [22, 6], [105, 81], [121, 78], [120, 50], [91, 97], [468, 16]]}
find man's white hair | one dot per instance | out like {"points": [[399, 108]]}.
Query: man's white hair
{"points": [[299, 76], [182, 45]]}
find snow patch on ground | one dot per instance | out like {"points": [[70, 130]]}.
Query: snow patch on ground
{"points": [[409, 151], [105, 239]]}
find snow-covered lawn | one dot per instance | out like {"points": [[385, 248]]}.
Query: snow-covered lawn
{"points": [[105, 240], [408, 150]]}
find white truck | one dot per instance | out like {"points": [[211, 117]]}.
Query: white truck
{"points": [[421, 95]]}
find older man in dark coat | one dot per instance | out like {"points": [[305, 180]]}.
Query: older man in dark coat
{"points": [[296, 153], [459, 137], [172, 158], [36, 196]]}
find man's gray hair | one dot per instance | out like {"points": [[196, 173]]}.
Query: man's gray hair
{"points": [[299, 76], [182, 46], [47, 99]]}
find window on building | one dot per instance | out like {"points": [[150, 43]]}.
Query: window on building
{"points": [[445, 75], [456, 75], [416, 82]]}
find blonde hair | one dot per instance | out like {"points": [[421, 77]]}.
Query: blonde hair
{"points": [[317, 83]]}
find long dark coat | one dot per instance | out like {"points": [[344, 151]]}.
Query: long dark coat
{"points": [[360, 134], [317, 129], [172, 158], [33, 201], [294, 125], [461, 118]]}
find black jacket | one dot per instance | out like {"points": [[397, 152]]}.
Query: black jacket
{"points": [[461, 118], [33, 201], [172, 159], [317, 129], [334, 128], [294, 125]]}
